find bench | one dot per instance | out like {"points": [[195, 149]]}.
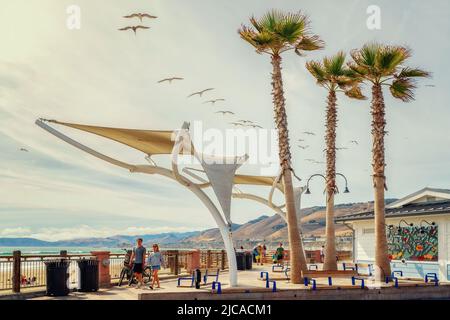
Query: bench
{"points": [[307, 281], [390, 278], [349, 266], [191, 278], [274, 284], [432, 277], [262, 274], [354, 279], [278, 267], [368, 266], [218, 285], [207, 275], [395, 272]]}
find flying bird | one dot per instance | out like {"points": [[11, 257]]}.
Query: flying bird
{"points": [[342, 148], [310, 160], [224, 112], [170, 79], [309, 133], [354, 141], [430, 85], [236, 124], [134, 28], [140, 16], [303, 147], [23, 150], [318, 162], [200, 93], [301, 140], [255, 126], [213, 102], [245, 121]]}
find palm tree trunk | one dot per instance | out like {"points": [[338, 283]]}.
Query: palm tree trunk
{"points": [[297, 255], [382, 263], [330, 138]]}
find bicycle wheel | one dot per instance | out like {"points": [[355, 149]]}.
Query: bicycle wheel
{"points": [[123, 274], [147, 275]]}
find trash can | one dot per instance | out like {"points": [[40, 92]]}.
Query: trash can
{"points": [[57, 277], [88, 275], [248, 260], [240, 259]]}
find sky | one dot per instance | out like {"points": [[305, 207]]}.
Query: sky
{"points": [[101, 76]]}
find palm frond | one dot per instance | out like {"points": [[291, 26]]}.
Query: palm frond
{"points": [[262, 41], [389, 58], [309, 43], [276, 32], [403, 89], [317, 71], [355, 92], [408, 72], [335, 65]]}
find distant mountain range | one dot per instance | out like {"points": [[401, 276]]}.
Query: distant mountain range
{"points": [[265, 228]]}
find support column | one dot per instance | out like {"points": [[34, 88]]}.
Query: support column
{"points": [[16, 271], [193, 261], [103, 268]]}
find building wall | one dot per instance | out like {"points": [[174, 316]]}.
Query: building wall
{"points": [[365, 247]]}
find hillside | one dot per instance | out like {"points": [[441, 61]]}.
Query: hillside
{"points": [[265, 228]]}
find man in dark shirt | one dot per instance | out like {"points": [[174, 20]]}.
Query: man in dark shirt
{"points": [[138, 256]]}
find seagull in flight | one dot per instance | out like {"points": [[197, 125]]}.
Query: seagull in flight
{"points": [[224, 112], [170, 79], [140, 16], [301, 140], [134, 28], [200, 93], [23, 150], [303, 147], [236, 124], [255, 126], [342, 148], [213, 102], [245, 121], [354, 141], [309, 133]]}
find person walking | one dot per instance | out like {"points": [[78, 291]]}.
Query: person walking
{"points": [[138, 256], [155, 260], [322, 254]]}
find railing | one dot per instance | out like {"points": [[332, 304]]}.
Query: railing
{"points": [[32, 272], [213, 259]]}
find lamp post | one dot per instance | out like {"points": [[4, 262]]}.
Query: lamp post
{"points": [[308, 191], [330, 254]]}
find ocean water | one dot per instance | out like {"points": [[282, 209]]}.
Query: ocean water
{"points": [[6, 251]]}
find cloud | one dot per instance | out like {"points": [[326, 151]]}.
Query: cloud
{"points": [[84, 231]]}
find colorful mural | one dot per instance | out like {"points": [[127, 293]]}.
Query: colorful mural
{"points": [[413, 243]]}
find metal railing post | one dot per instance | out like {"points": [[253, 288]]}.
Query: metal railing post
{"points": [[176, 263], [223, 260], [208, 259], [16, 271]]}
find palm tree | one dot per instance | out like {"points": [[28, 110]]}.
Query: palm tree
{"points": [[332, 74], [275, 33], [383, 65]]}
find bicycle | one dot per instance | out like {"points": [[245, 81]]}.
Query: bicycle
{"points": [[127, 271]]}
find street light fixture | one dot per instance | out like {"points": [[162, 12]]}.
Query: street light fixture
{"points": [[308, 191]]}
